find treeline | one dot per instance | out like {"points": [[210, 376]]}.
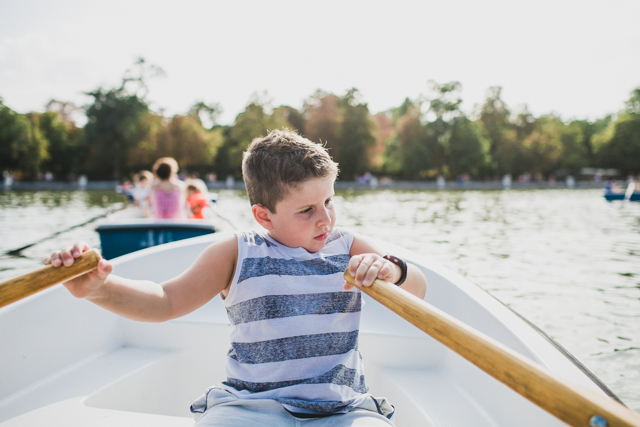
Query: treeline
{"points": [[419, 140]]}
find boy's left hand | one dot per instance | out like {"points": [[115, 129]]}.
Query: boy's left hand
{"points": [[366, 268]]}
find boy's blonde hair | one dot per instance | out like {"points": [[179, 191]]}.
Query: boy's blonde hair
{"points": [[282, 160]]}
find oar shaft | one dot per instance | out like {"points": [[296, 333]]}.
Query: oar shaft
{"points": [[574, 406], [28, 284]]}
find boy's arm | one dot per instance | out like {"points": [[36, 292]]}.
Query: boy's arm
{"points": [[147, 301], [366, 265]]}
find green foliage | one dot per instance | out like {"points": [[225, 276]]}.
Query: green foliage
{"points": [[345, 126], [205, 114], [466, 152], [355, 136], [617, 143], [323, 120], [411, 141], [12, 129], [412, 144], [23, 148], [541, 150], [65, 154], [622, 150], [633, 104], [115, 126], [392, 159], [294, 118], [190, 144], [253, 122], [116, 122], [497, 128], [444, 107]]}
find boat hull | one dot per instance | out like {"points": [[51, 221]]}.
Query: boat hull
{"points": [[66, 362], [123, 237], [635, 197]]}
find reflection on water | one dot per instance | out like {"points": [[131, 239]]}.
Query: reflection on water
{"points": [[565, 259], [27, 217]]}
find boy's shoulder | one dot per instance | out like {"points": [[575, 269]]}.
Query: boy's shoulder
{"points": [[261, 237], [256, 238]]}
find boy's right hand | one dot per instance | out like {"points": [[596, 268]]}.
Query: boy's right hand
{"points": [[84, 285]]}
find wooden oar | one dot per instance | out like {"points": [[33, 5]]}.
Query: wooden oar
{"points": [[28, 284], [575, 406]]}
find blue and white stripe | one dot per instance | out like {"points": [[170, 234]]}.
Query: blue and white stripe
{"points": [[295, 329]]}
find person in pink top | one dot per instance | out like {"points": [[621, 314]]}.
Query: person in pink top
{"points": [[168, 194]]}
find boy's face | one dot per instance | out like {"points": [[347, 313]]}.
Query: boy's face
{"points": [[306, 216]]}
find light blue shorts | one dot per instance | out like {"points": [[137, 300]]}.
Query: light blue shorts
{"points": [[219, 408]]}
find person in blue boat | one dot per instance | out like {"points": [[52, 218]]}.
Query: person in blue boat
{"points": [[294, 352]]}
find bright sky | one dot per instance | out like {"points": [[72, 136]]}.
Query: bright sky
{"points": [[577, 58]]}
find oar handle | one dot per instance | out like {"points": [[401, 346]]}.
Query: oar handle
{"points": [[15, 289], [575, 406]]}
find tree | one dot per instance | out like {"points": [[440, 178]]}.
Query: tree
{"points": [[541, 150], [205, 114], [255, 121], [23, 148], [65, 110], [588, 130], [116, 121], [623, 149], [64, 149], [494, 118], [115, 126], [346, 128], [618, 145], [409, 144], [383, 130], [294, 118], [444, 109], [466, 152], [355, 137], [323, 120], [193, 146]]}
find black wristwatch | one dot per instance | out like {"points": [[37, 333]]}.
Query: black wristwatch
{"points": [[400, 263]]}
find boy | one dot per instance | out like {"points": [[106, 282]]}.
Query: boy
{"points": [[141, 191], [197, 201], [294, 353]]}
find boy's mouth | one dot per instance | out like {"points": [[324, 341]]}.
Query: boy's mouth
{"points": [[323, 236]]}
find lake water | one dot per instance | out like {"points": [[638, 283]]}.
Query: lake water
{"points": [[567, 260]]}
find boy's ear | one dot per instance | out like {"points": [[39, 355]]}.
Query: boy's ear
{"points": [[263, 216]]}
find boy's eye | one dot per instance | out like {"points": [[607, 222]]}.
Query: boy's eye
{"points": [[306, 210], [328, 202]]}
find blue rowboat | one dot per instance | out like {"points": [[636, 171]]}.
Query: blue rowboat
{"points": [[635, 197], [120, 237]]}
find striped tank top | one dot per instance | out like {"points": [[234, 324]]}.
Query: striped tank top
{"points": [[295, 328]]}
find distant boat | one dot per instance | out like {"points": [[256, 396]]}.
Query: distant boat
{"points": [[70, 363], [121, 237], [635, 197], [630, 194], [127, 231]]}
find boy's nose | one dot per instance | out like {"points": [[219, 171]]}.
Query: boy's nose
{"points": [[325, 217]]}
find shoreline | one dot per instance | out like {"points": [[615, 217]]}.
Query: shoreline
{"points": [[342, 185]]}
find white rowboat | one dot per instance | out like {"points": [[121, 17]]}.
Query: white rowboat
{"points": [[66, 362]]}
